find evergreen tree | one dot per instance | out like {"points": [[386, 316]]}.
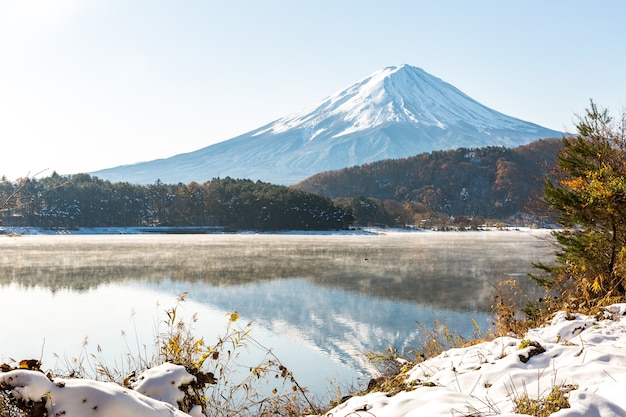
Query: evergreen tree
{"points": [[588, 191]]}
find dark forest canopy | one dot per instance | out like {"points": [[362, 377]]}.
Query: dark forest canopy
{"points": [[490, 183], [84, 201]]}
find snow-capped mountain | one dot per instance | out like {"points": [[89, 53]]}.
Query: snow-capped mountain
{"points": [[394, 113]]}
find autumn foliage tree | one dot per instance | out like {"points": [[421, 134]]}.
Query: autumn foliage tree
{"points": [[588, 191], [492, 182]]}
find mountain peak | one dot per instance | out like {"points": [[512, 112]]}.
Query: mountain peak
{"points": [[403, 94], [394, 112]]}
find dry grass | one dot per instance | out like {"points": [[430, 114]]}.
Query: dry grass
{"points": [[393, 367], [507, 308], [225, 385], [544, 405]]}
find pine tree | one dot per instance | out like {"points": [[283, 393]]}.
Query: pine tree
{"points": [[588, 192]]}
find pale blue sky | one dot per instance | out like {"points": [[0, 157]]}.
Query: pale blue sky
{"points": [[91, 84]]}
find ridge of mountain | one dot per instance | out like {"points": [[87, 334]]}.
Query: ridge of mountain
{"points": [[395, 112]]}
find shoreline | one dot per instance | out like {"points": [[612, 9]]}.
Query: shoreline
{"points": [[209, 230]]}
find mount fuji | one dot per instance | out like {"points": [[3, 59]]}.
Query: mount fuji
{"points": [[395, 112]]}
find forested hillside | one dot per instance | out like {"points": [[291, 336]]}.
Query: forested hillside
{"points": [[491, 183], [85, 201], [462, 186]]}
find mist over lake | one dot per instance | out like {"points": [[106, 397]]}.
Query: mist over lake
{"points": [[318, 301]]}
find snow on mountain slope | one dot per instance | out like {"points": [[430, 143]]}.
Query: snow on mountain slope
{"points": [[393, 95], [395, 112]]}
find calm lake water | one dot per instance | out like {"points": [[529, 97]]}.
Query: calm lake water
{"points": [[320, 302]]}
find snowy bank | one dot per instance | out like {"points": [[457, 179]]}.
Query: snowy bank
{"points": [[163, 230], [157, 392], [581, 355], [152, 230], [575, 353]]}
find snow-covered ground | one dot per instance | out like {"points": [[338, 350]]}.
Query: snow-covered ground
{"points": [[155, 393], [582, 355]]}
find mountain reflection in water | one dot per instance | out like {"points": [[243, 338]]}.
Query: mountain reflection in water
{"points": [[331, 297]]}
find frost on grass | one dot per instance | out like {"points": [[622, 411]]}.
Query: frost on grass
{"points": [[156, 393]]}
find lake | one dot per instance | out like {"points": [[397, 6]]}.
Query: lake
{"points": [[319, 301]]}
